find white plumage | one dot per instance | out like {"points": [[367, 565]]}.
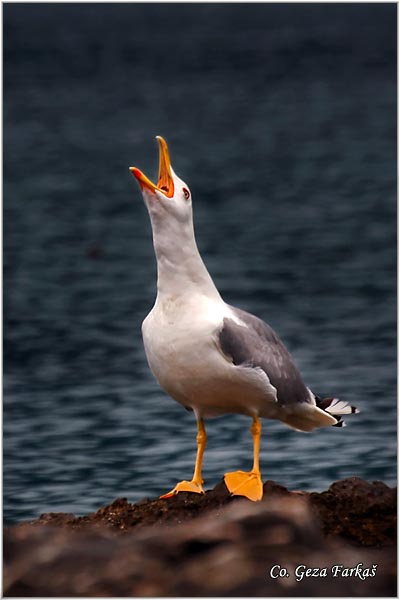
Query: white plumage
{"points": [[209, 356]]}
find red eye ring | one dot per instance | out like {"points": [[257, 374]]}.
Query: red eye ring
{"points": [[186, 193]]}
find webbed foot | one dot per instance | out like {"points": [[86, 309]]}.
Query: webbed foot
{"points": [[248, 484], [185, 486]]}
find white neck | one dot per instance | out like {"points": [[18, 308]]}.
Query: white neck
{"points": [[180, 267]]}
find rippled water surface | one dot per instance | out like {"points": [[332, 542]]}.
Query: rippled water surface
{"points": [[282, 119]]}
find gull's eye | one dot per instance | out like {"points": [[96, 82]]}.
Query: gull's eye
{"points": [[186, 193]]}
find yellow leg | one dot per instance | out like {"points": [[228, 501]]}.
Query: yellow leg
{"points": [[250, 485], [196, 485]]}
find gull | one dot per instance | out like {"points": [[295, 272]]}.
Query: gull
{"points": [[209, 356]]}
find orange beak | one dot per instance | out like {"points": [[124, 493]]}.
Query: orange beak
{"points": [[165, 182]]}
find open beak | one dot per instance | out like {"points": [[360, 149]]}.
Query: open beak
{"points": [[165, 182]]}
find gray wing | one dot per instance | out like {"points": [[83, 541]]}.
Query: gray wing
{"points": [[257, 345]]}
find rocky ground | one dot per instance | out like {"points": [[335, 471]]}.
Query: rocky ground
{"points": [[213, 545]]}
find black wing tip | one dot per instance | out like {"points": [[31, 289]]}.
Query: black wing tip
{"points": [[336, 408]]}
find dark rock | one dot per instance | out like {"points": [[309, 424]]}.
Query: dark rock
{"points": [[274, 490], [211, 545], [362, 512]]}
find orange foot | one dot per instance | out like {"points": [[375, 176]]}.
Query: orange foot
{"points": [[185, 486], [240, 483]]}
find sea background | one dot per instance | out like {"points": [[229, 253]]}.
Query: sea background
{"points": [[282, 120]]}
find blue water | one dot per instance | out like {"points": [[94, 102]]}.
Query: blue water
{"points": [[282, 119]]}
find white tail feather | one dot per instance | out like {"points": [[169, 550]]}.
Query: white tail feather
{"points": [[340, 407]]}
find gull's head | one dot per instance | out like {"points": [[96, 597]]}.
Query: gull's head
{"points": [[170, 198]]}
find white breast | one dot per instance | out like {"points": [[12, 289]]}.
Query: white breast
{"points": [[180, 338]]}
